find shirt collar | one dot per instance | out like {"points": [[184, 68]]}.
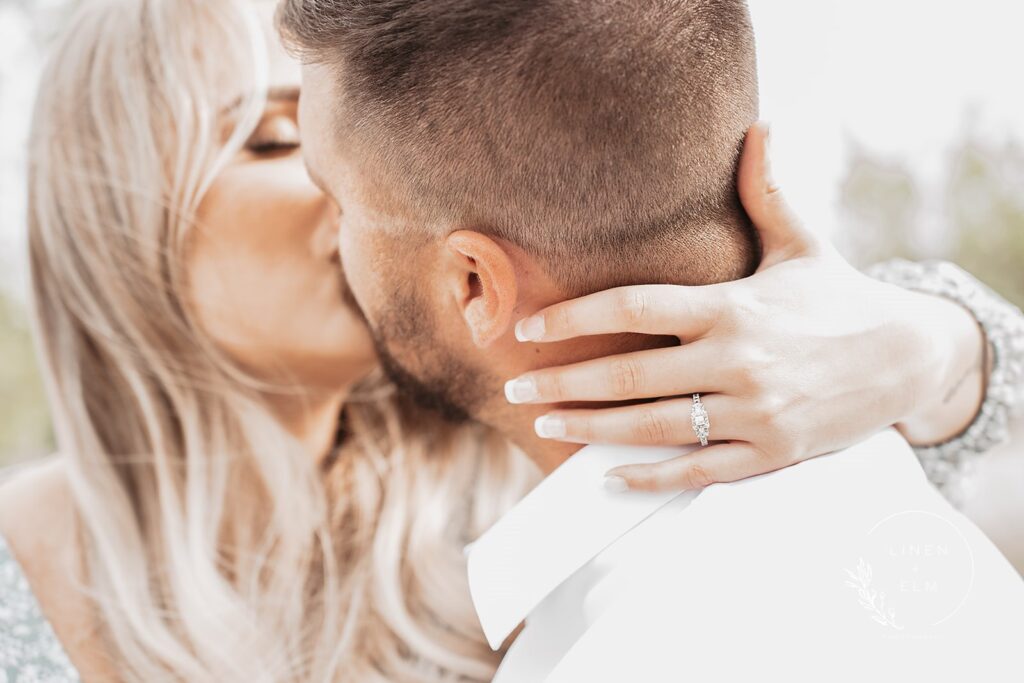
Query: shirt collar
{"points": [[566, 521]]}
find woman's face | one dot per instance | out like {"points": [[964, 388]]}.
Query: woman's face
{"points": [[264, 269]]}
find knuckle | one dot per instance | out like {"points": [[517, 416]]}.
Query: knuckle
{"points": [[752, 368], [559, 320], [579, 425], [652, 428], [626, 378], [633, 305], [584, 429], [769, 414], [756, 357], [741, 306], [696, 476], [777, 410], [778, 420], [550, 386], [733, 300], [747, 374], [780, 440]]}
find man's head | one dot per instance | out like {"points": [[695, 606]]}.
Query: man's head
{"points": [[492, 156]]}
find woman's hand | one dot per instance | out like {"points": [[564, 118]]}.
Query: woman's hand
{"points": [[806, 356]]}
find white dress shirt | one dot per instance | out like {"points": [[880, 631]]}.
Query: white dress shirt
{"points": [[809, 572]]}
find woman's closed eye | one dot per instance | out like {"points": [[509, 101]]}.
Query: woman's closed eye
{"points": [[274, 135]]}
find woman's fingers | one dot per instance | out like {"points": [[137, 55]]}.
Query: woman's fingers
{"points": [[642, 374], [662, 423], [674, 310], [717, 463], [782, 234]]}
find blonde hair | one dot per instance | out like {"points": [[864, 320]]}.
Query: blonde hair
{"points": [[215, 549]]}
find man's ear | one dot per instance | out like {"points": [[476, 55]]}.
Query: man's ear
{"points": [[484, 285]]}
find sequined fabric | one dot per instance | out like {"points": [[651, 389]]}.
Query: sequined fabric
{"points": [[949, 465], [29, 649]]}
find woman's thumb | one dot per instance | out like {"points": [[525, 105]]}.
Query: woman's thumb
{"points": [[783, 236]]}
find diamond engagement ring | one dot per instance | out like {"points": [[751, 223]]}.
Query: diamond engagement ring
{"points": [[700, 420]]}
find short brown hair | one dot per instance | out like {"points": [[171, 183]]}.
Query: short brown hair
{"points": [[600, 135]]}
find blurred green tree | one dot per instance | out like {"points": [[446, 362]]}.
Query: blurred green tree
{"points": [[977, 221], [986, 206], [879, 207], [24, 421]]}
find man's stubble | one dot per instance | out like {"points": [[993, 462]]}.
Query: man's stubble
{"points": [[421, 366]]}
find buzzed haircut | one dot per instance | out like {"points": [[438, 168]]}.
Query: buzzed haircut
{"points": [[601, 136]]}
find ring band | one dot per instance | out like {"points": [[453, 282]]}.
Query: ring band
{"points": [[700, 420]]}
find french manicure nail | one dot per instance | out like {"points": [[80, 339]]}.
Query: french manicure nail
{"points": [[614, 484], [530, 329], [549, 427], [520, 390]]}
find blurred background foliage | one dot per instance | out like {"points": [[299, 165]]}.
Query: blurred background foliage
{"points": [[24, 424], [974, 217]]}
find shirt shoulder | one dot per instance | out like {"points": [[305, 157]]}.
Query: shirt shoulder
{"points": [[764, 563]]}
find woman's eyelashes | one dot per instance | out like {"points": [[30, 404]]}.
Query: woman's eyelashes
{"points": [[271, 146], [274, 135]]}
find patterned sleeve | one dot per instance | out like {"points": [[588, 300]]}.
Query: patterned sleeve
{"points": [[949, 464]]}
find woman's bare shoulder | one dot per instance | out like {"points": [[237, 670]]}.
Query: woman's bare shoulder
{"points": [[37, 521], [36, 510]]}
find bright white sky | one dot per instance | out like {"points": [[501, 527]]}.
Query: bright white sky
{"points": [[897, 76]]}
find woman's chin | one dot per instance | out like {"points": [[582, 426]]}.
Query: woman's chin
{"points": [[341, 365]]}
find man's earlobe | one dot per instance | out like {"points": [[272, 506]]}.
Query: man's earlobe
{"points": [[484, 285]]}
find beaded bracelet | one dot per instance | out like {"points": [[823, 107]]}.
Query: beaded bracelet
{"points": [[949, 464]]}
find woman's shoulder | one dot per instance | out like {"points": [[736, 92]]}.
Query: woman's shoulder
{"points": [[37, 523], [34, 533], [36, 512]]}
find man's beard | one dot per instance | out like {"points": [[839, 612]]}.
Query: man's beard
{"points": [[444, 384], [435, 399]]}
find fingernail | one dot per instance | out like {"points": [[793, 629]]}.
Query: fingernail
{"points": [[615, 484], [530, 329], [520, 390], [549, 427]]}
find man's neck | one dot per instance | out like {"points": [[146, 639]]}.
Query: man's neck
{"points": [[517, 421], [539, 290]]}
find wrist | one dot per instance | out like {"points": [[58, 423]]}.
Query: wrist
{"points": [[948, 378]]}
